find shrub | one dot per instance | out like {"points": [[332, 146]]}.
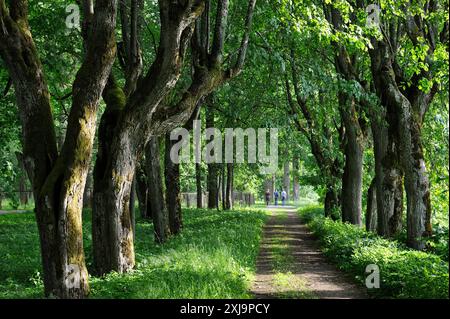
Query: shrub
{"points": [[404, 273]]}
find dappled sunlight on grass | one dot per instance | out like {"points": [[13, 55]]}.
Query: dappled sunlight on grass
{"points": [[214, 257]]}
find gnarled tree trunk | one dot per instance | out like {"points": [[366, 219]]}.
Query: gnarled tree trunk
{"points": [[146, 115], [409, 111], [388, 177], [58, 180]]}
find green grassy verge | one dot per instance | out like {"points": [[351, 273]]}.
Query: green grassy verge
{"points": [[214, 257], [404, 273]]}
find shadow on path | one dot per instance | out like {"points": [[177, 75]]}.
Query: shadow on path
{"points": [[315, 277]]}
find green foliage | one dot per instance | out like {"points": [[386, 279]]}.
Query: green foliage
{"points": [[214, 257], [404, 273]]}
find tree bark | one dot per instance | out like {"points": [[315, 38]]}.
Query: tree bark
{"points": [[410, 113], [211, 183], [102, 231], [198, 182], [146, 115], [132, 210], [173, 200], [287, 179], [388, 176], [229, 187], [133, 130], [155, 191], [87, 194], [141, 192], [172, 173], [351, 199], [295, 179], [371, 210], [58, 180], [331, 206], [223, 185]]}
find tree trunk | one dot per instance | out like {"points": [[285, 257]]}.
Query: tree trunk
{"points": [[213, 168], [331, 206], [229, 187], [147, 116], [409, 111], [223, 185], [353, 168], [295, 180], [141, 192], [269, 185], [287, 180], [172, 178], [23, 194], [417, 184], [371, 211], [87, 194], [143, 116], [58, 179], [106, 249], [132, 211], [155, 191], [388, 176], [198, 182]]}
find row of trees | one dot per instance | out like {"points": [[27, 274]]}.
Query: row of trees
{"points": [[150, 103], [357, 103], [382, 78]]}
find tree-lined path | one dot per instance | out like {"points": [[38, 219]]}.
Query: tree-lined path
{"points": [[111, 111], [291, 265]]}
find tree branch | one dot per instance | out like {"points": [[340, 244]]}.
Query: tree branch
{"points": [[219, 31]]}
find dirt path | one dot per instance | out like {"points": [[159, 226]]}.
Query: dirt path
{"points": [[291, 265]]}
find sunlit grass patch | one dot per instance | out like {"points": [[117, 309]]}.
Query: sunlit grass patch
{"points": [[290, 286], [214, 257]]}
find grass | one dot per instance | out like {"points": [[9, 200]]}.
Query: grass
{"points": [[7, 204], [404, 273], [214, 257]]}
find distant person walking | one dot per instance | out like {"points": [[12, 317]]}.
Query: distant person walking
{"points": [[283, 197], [276, 195], [267, 198]]}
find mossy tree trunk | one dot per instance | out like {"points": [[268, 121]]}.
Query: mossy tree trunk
{"points": [[388, 174], [410, 107], [351, 199], [146, 113], [58, 179]]}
